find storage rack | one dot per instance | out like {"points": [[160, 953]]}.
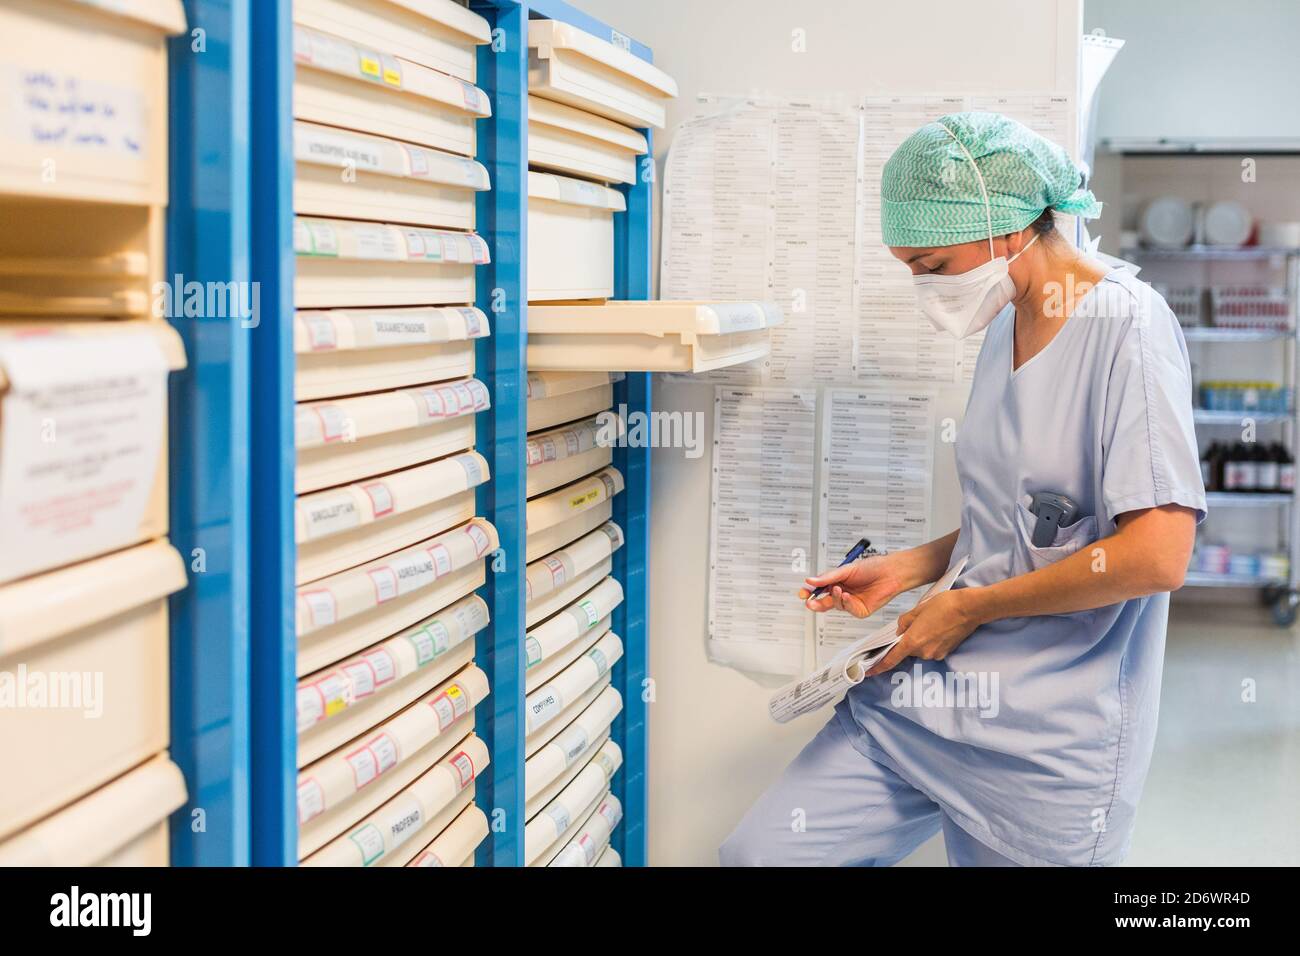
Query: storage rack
{"points": [[233, 639], [1281, 595]]}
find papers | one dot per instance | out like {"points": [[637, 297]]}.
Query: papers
{"points": [[779, 198], [864, 456], [761, 526], [878, 460], [847, 668]]}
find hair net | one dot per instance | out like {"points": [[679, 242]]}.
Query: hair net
{"points": [[931, 191]]}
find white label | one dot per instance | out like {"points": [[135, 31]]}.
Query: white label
{"points": [[381, 498], [473, 469], [81, 433], [372, 760], [427, 858], [587, 610], [473, 322], [559, 816], [571, 855], [464, 768], [401, 576], [321, 334], [440, 558], [321, 607], [451, 705], [615, 535], [311, 800], [480, 539], [397, 329], [600, 660], [369, 841], [532, 652], [311, 708], [429, 642], [542, 709], [54, 109], [573, 741], [322, 240], [329, 515]]}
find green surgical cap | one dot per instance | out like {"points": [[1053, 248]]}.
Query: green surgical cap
{"points": [[930, 191]]}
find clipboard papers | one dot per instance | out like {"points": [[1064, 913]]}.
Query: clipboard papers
{"points": [[847, 668]]}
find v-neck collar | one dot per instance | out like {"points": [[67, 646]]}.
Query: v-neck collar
{"points": [[1059, 332]]}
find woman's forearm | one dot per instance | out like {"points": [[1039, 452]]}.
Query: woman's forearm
{"points": [[926, 563], [1148, 555]]}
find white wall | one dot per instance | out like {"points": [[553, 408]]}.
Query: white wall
{"points": [[713, 748], [1200, 68]]}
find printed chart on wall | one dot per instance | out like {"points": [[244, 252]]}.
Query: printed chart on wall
{"points": [[832, 437], [760, 200], [764, 465], [877, 459]]}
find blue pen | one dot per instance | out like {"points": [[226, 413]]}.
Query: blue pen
{"points": [[855, 552]]}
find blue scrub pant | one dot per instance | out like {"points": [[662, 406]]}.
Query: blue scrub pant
{"points": [[835, 807]]}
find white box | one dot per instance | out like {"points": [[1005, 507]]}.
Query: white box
{"points": [[96, 631], [65, 501], [339, 615], [582, 70], [649, 336], [358, 176], [338, 83], [566, 514], [339, 528], [341, 263], [341, 702], [566, 454], [346, 439], [438, 34], [348, 351], [83, 99], [123, 823], [579, 143], [570, 238]]}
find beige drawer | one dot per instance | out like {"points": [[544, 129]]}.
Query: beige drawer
{"points": [[590, 840], [563, 455], [649, 336], [570, 805], [570, 238], [339, 615], [558, 579], [340, 788], [86, 648], [455, 845], [552, 706], [348, 351], [550, 769], [339, 528], [438, 34], [608, 857], [566, 514], [547, 645], [341, 263], [573, 141], [558, 397], [335, 83], [84, 88], [123, 823], [346, 439], [574, 67], [65, 501], [395, 833], [357, 176], [343, 701]]}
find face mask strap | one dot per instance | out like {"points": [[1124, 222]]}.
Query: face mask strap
{"points": [[988, 206]]}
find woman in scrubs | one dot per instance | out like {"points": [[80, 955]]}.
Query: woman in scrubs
{"points": [[1018, 711]]}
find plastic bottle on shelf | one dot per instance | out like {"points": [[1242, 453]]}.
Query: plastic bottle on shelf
{"points": [[1285, 470]]}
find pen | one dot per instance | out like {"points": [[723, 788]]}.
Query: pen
{"points": [[855, 552]]}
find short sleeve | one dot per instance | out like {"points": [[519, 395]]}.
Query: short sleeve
{"points": [[1149, 451]]}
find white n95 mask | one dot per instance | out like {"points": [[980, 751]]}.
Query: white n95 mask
{"points": [[962, 305]]}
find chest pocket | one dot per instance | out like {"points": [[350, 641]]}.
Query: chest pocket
{"points": [[1068, 540]]}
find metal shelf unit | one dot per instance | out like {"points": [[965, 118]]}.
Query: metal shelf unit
{"points": [[232, 464]]}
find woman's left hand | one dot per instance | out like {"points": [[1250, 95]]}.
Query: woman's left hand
{"points": [[932, 629]]}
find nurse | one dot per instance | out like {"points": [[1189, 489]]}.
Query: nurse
{"points": [[1018, 711]]}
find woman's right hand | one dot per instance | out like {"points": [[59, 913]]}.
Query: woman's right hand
{"points": [[860, 588]]}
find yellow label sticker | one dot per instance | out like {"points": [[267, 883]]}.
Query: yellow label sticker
{"points": [[332, 707], [579, 500], [370, 66], [454, 691], [392, 76]]}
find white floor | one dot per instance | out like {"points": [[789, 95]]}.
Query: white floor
{"points": [[1224, 788]]}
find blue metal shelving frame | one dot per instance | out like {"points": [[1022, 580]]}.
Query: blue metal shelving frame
{"points": [[233, 635]]}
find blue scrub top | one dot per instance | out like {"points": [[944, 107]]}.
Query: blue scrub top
{"points": [[1052, 772]]}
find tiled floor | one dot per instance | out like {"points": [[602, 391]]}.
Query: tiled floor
{"points": [[1224, 788]]}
